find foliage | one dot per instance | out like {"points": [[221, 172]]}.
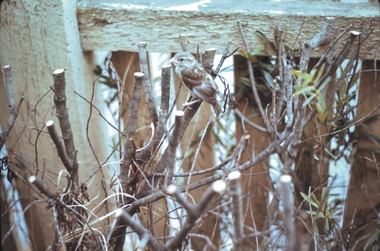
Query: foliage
{"points": [[333, 138]]}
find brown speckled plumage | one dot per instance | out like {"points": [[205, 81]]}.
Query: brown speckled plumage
{"points": [[197, 81]]}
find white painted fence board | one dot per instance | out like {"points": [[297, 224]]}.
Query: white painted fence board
{"points": [[106, 25], [37, 37]]}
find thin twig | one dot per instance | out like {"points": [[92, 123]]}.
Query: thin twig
{"points": [[253, 84]]}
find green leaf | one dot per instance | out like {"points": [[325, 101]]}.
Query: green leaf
{"points": [[371, 149], [317, 73], [262, 36], [309, 200], [189, 152], [314, 198], [268, 78], [320, 112], [333, 212], [311, 212], [244, 54], [306, 90], [342, 90], [355, 77], [308, 100], [372, 239], [374, 138], [268, 67], [246, 82], [323, 85], [275, 35], [303, 75], [327, 225], [324, 191], [260, 52], [320, 215], [266, 40], [321, 106]]}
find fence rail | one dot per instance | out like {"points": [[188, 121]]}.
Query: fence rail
{"points": [[106, 26]]}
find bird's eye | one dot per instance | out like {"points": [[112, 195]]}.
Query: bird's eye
{"points": [[181, 59]]}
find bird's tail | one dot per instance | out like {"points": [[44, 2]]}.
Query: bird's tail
{"points": [[217, 108]]}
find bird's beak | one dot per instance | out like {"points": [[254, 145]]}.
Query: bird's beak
{"points": [[174, 61]]}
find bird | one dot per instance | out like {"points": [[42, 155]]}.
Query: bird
{"points": [[198, 82]]}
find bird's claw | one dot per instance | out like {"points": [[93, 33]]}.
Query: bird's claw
{"points": [[192, 102]]}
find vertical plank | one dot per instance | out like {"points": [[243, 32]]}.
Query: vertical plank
{"points": [[254, 181], [126, 63], [362, 201], [37, 37], [205, 159]]}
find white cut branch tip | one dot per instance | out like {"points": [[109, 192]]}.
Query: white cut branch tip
{"points": [[166, 66], [234, 175], [179, 113], [355, 33], [7, 66], [219, 186], [211, 49], [32, 179], [118, 213], [58, 71], [171, 189], [139, 74], [286, 179], [49, 123]]}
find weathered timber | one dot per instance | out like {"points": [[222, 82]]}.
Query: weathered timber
{"points": [[163, 24]]}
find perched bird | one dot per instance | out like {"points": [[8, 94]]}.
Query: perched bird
{"points": [[199, 83]]}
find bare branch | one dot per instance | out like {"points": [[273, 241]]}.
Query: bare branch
{"points": [[285, 191], [350, 63], [286, 83], [151, 149], [194, 213], [208, 59], [237, 209], [249, 122], [147, 86], [149, 198], [310, 45], [128, 172], [342, 56], [41, 186], [67, 162], [130, 148], [11, 104], [57, 233], [225, 55], [64, 122], [173, 143], [9, 86], [140, 230], [165, 88]]}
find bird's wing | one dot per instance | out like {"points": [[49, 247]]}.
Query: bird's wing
{"points": [[215, 86], [206, 92], [193, 78]]}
